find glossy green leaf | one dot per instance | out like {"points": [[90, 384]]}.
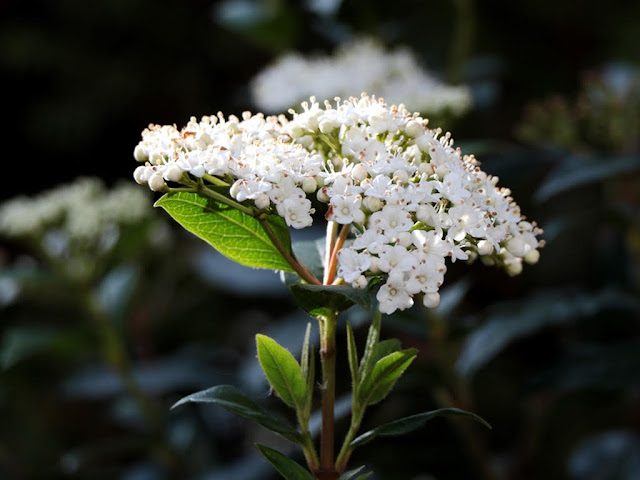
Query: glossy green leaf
{"points": [[353, 355], [282, 371], [289, 469], [235, 234], [577, 171], [506, 322], [351, 474], [321, 299], [377, 384], [233, 400], [409, 424], [372, 340], [308, 367]]}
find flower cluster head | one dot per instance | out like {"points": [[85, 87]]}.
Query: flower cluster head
{"points": [[76, 222], [360, 65], [411, 200]]}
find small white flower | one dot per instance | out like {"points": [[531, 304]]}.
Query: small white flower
{"points": [[394, 296]]}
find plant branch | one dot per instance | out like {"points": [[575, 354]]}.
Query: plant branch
{"points": [[300, 268], [327, 326], [330, 272]]}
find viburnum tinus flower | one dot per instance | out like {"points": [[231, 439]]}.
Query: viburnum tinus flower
{"points": [[408, 201], [359, 65]]}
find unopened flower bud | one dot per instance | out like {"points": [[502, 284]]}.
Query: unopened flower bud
{"points": [[157, 183], [173, 173], [441, 171], [532, 256], [139, 175], [360, 282], [404, 238], [140, 154], [309, 185], [517, 247], [262, 200], [359, 172], [485, 247], [422, 142], [372, 204], [401, 176], [431, 300], [413, 128], [327, 126], [322, 195], [513, 267]]}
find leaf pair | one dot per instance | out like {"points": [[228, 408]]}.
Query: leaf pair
{"points": [[381, 366]]}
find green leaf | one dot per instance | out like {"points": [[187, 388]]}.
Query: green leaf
{"points": [[509, 321], [353, 356], [308, 367], [233, 400], [372, 340], [322, 299], [283, 372], [379, 382], [289, 469], [577, 171], [20, 343], [352, 473], [233, 233], [409, 424]]}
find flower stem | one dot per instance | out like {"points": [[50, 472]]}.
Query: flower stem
{"points": [[330, 272], [327, 324], [297, 265]]}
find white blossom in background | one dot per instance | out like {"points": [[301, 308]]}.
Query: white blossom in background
{"points": [[361, 65], [81, 216], [412, 199]]}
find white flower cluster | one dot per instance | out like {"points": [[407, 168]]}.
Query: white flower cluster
{"points": [[361, 65], [82, 212], [412, 198]]}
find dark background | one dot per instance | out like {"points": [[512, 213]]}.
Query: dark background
{"points": [[549, 358]]}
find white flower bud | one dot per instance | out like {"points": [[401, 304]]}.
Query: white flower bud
{"points": [[327, 126], [441, 171], [422, 142], [517, 247], [173, 173], [140, 153], [359, 172], [425, 167], [485, 247], [235, 190], [361, 282], [372, 204], [296, 131], [431, 300], [488, 261], [156, 158], [404, 238], [374, 268], [532, 256], [514, 267], [309, 185], [413, 128], [157, 183], [139, 175], [322, 195], [262, 200], [401, 176]]}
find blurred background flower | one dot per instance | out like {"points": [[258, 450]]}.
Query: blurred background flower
{"points": [[110, 314]]}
